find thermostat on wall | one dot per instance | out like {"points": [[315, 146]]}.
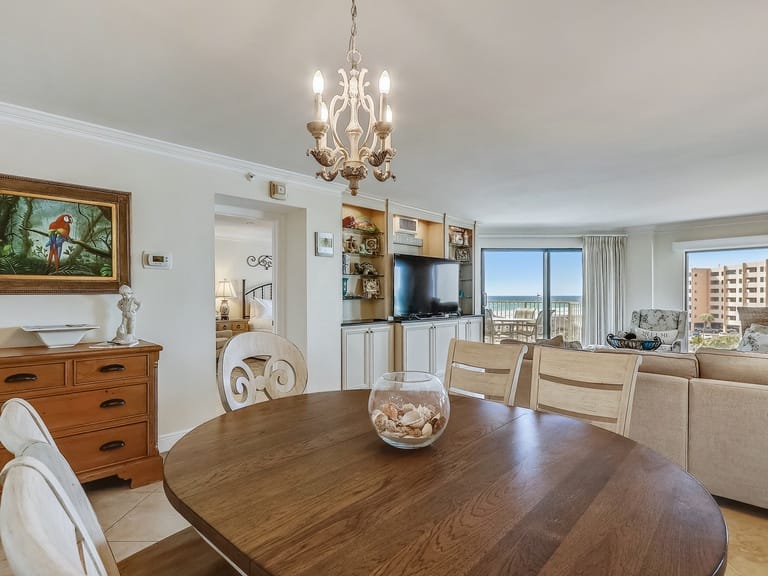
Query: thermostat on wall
{"points": [[157, 260]]}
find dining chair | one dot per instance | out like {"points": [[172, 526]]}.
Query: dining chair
{"points": [[599, 388], [182, 553], [489, 370], [258, 366]]}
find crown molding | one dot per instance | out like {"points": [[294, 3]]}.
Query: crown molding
{"points": [[11, 114]]}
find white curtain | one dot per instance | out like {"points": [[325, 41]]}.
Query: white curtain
{"points": [[604, 282]]}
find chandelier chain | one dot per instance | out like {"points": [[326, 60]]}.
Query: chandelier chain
{"points": [[353, 56]]}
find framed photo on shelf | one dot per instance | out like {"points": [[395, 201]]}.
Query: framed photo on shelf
{"points": [[457, 238], [62, 238], [463, 254], [371, 287], [324, 244], [372, 245]]}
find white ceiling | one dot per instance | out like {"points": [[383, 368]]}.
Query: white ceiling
{"points": [[530, 113]]}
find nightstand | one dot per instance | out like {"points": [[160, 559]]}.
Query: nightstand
{"points": [[237, 326]]}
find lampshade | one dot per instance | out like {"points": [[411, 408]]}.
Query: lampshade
{"points": [[224, 289]]}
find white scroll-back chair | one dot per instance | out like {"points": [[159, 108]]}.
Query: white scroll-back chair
{"points": [[258, 366], [23, 433]]}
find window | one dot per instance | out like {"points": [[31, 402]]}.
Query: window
{"points": [[546, 280], [736, 277]]}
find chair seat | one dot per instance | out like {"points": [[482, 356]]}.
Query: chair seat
{"points": [[183, 553]]}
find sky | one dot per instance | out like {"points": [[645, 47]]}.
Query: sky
{"points": [[520, 272], [713, 258]]}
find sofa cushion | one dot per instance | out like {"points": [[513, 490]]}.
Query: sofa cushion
{"points": [[730, 365], [667, 363], [755, 339]]}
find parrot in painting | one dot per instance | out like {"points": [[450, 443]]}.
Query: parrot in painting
{"points": [[58, 233]]}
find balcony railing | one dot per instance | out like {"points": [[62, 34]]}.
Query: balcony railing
{"points": [[564, 316]]}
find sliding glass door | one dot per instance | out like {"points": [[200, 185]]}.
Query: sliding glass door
{"points": [[532, 293]]}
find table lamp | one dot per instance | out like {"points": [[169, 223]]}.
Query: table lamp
{"points": [[224, 289]]}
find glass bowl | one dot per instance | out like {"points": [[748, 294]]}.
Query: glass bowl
{"points": [[409, 409]]}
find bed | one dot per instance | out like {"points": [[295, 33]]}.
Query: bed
{"points": [[257, 307]]}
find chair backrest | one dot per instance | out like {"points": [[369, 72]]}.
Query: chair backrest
{"points": [[487, 369], [258, 366], [39, 526], [599, 388], [23, 433], [659, 319], [20, 424], [524, 314], [489, 327], [749, 316]]}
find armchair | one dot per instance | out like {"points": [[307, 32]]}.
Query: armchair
{"points": [[667, 321]]}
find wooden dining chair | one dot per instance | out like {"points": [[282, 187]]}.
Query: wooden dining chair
{"points": [[182, 553], [258, 366], [486, 369], [598, 388]]}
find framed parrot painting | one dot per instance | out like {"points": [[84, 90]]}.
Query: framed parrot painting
{"points": [[62, 238]]}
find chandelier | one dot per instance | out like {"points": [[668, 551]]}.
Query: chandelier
{"points": [[372, 145]]}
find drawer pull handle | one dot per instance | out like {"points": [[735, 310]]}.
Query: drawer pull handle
{"points": [[112, 368], [112, 403], [23, 377], [114, 445]]}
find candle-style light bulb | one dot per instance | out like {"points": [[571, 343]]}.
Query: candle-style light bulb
{"points": [[318, 83], [389, 114], [384, 82], [323, 113]]}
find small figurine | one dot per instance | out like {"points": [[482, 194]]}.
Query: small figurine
{"points": [[128, 305]]}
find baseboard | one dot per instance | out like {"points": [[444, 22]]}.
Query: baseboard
{"points": [[166, 441]]}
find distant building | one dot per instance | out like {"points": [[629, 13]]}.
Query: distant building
{"points": [[719, 291]]}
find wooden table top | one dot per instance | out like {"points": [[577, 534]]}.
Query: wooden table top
{"points": [[303, 485]]}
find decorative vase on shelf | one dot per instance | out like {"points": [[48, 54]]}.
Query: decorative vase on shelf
{"points": [[409, 409]]}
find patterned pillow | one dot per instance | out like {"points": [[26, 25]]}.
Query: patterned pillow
{"points": [[667, 336], [755, 339]]}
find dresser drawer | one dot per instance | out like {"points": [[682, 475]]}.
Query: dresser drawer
{"points": [[96, 406], [22, 378], [111, 368], [104, 447]]}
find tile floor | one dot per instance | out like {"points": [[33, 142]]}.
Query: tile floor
{"points": [[134, 519]]}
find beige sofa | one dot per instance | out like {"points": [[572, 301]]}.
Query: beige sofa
{"points": [[706, 411]]}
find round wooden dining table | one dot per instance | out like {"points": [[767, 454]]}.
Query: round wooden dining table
{"points": [[303, 485]]}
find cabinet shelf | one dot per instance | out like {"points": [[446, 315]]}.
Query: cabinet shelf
{"points": [[365, 275], [362, 298], [460, 245], [363, 255], [362, 232]]}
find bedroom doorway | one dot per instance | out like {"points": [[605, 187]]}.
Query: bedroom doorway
{"points": [[244, 267]]}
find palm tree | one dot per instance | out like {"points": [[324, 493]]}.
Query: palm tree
{"points": [[707, 319]]}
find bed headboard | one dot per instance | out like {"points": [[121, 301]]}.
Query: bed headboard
{"points": [[263, 291]]}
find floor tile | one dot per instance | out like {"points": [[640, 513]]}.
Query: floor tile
{"points": [[154, 487], [151, 520], [112, 503], [121, 550]]}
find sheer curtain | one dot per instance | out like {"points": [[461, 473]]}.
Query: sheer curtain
{"points": [[604, 280]]}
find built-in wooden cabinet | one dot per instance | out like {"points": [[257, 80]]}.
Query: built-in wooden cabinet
{"points": [[366, 354], [365, 268], [422, 345], [459, 246], [99, 404]]}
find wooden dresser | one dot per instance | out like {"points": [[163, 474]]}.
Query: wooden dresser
{"points": [[100, 405], [237, 326]]}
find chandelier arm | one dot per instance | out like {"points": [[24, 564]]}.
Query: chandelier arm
{"points": [[367, 104], [336, 110]]}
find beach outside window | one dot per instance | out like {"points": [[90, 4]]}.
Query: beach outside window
{"points": [[542, 287]]}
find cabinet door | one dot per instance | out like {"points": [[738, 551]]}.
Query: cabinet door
{"points": [[442, 334], [380, 339], [474, 329], [417, 347], [353, 358]]}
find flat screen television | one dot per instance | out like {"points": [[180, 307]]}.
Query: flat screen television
{"points": [[425, 286]]}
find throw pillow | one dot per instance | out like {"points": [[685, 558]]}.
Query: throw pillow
{"points": [[755, 339], [667, 336], [261, 308]]}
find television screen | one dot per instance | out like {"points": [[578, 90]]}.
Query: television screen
{"points": [[425, 286]]}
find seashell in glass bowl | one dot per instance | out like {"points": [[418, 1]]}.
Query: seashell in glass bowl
{"points": [[409, 409]]}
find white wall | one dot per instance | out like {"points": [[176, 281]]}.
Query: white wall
{"points": [[173, 209]]}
